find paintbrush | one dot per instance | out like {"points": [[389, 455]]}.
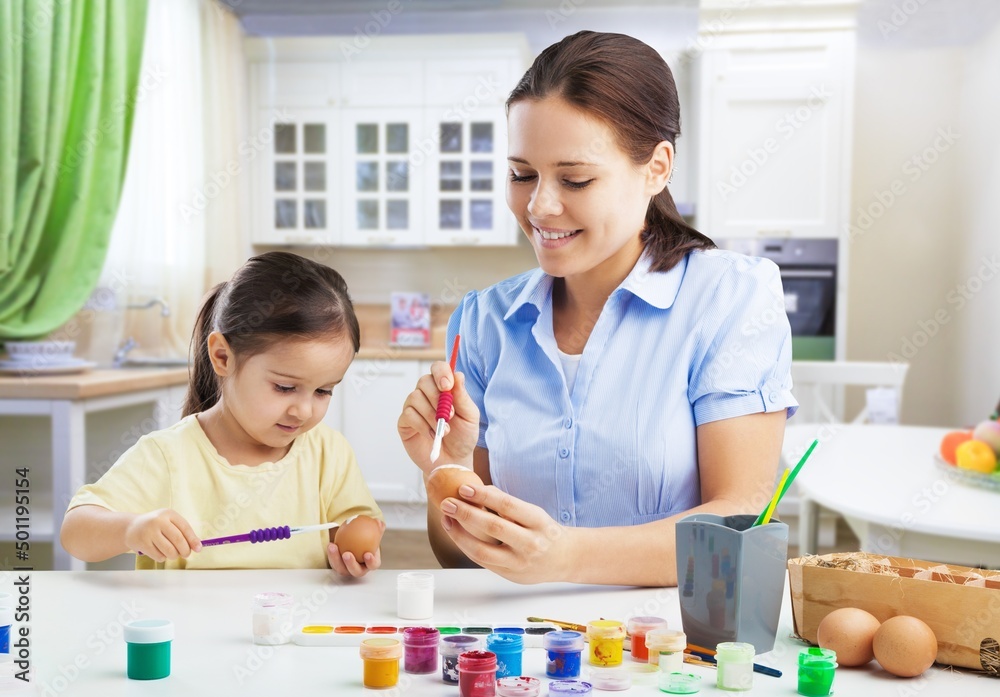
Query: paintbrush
{"points": [[706, 655], [445, 401], [562, 625]]}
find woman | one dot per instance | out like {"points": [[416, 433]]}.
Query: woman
{"points": [[638, 376]]}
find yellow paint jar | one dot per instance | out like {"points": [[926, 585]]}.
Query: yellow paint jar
{"points": [[381, 657], [606, 639]]}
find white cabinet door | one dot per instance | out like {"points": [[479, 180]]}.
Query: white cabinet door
{"points": [[289, 85], [373, 393], [775, 146], [296, 178], [383, 83]]}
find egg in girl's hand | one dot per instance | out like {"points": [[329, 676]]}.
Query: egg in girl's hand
{"points": [[444, 481], [358, 535], [905, 646], [850, 632]]}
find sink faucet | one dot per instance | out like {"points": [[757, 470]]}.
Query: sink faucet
{"points": [[123, 350], [164, 308]]}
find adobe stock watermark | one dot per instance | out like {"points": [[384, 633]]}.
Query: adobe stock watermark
{"points": [[566, 9], [899, 16]]}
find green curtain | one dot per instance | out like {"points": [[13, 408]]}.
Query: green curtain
{"points": [[69, 72]]}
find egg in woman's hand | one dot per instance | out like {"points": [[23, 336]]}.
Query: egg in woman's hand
{"points": [[850, 632], [905, 646], [444, 481], [358, 535]]}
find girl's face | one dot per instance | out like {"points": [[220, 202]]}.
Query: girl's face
{"points": [[576, 195], [280, 394]]}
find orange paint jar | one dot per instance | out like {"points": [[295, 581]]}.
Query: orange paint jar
{"points": [[381, 657], [606, 639]]}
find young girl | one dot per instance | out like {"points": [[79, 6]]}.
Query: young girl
{"points": [[251, 452]]}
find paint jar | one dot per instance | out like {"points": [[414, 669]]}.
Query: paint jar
{"points": [[606, 639], [453, 646], [666, 649], [381, 657], [679, 683], [520, 686], [477, 674], [148, 648], [816, 669], [415, 595], [272, 618], [638, 627], [570, 687], [562, 654], [610, 679], [509, 649], [420, 650], [734, 660]]}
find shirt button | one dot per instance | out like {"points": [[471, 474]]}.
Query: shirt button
{"points": [[563, 452], [773, 397], [564, 516], [568, 423]]}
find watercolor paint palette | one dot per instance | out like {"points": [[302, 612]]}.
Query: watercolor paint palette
{"points": [[354, 634]]}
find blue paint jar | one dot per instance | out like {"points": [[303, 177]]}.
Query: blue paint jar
{"points": [[508, 648], [6, 624], [562, 654]]}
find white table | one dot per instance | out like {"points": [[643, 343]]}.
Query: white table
{"points": [[884, 482], [77, 645]]}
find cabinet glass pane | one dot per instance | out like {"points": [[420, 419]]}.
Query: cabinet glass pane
{"points": [[451, 137], [284, 137], [284, 176], [482, 176], [397, 137], [482, 137], [368, 215], [315, 214], [451, 176], [284, 214], [315, 176], [314, 135], [450, 215], [397, 176], [367, 138], [481, 214], [397, 214], [367, 176]]}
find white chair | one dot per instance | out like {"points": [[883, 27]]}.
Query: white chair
{"points": [[819, 388]]}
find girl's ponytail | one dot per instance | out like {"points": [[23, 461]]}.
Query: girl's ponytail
{"points": [[203, 383]]}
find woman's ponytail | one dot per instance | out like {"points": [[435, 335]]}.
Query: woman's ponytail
{"points": [[203, 383], [667, 237]]}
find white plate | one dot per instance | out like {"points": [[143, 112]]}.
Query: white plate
{"points": [[20, 369]]}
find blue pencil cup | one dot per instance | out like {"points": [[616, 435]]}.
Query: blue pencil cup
{"points": [[730, 579]]}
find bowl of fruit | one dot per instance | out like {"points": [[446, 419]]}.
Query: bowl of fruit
{"points": [[970, 456]]}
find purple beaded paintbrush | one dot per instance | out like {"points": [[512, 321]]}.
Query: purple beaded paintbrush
{"points": [[264, 535]]}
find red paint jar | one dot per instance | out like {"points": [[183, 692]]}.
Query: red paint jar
{"points": [[477, 674], [420, 650]]}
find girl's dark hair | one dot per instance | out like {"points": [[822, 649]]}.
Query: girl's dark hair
{"points": [[273, 297], [628, 86]]}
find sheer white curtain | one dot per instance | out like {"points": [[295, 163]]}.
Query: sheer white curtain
{"points": [[178, 228]]}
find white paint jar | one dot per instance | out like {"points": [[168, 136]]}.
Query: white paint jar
{"points": [[415, 595], [272, 618]]}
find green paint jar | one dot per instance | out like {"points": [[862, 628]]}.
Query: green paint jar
{"points": [[149, 648], [816, 669]]}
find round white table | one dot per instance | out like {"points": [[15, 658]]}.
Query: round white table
{"points": [[884, 481]]}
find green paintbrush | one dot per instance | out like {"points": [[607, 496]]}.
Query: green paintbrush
{"points": [[788, 482]]}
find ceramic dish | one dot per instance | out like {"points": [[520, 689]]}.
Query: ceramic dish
{"points": [[969, 477]]}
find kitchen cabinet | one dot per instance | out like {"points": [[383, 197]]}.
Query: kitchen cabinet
{"points": [[413, 140], [776, 107]]}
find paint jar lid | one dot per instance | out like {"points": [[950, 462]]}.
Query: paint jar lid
{"points": [[149, 631], [521, 686], [6, 616], [606, 629], [666, 640], [565, 640], [457, 644], [381, 649], [478, 662], [272, 599], [610, 679], [415, 581], [504, 643], [816, 657], [643, 673], [642, 625], [734, 651], [680, 683], [570, 687], [421, 636]]}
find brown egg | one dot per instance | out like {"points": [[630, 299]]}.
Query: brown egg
{"points": [[358, 535], [905, 646], [444, 481], [850, 632]]}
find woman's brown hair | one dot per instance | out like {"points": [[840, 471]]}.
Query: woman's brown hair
{"points": [[273, 297], [628, 86]]}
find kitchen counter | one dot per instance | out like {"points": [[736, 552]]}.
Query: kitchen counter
{"points": [[94, 383]]}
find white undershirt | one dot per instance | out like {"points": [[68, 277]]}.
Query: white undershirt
{"points": [[570, 365]]}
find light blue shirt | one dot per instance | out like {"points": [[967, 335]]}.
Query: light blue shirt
{"points": [[707, 340]]}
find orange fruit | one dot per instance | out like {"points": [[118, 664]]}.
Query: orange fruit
{"points": [[950, 442], [977, 456]]}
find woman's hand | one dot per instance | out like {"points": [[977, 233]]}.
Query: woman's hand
{"points": [[161, 535], [418, 420], [530, 547], [346, 565]]}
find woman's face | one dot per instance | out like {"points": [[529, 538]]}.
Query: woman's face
{"points": [[575, 193]]}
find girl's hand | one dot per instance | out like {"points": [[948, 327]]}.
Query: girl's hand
{"points": [[418, 421], [162, 535], [530, 546], [346, 565]]}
